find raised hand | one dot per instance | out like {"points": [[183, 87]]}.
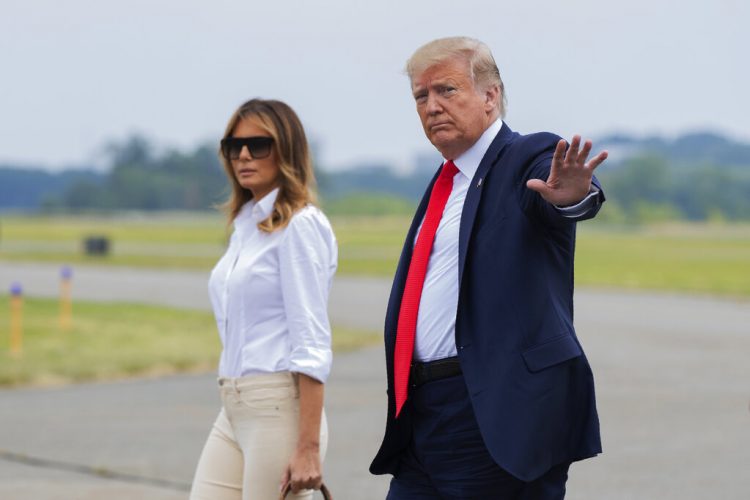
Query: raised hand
{"points": [[570, 175]]}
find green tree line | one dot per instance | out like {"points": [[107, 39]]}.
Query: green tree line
{"points": [[647, 188], [698, 178], [140, 179]]}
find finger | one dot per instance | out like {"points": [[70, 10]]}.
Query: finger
{"points": [[300, 482], [584, 152], [559, 155], [308, 483], [296, 485], [573, 149], [311, 482], [598, 159], [284, 479]]}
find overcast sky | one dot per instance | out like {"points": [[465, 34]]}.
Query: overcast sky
{"points": [[76, 74]]}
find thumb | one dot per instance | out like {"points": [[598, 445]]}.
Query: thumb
{"points": [[285, 478], [539, 186]]}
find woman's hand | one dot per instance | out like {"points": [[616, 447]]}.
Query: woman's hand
{"points": [[303, 471]]}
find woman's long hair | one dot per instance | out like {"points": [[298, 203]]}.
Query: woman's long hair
{"points": [[296, 177]]}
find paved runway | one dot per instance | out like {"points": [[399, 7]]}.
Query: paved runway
{"points": [[672, 373], [154, 429], [356, 302]]}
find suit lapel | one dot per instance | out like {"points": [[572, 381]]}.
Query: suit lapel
{"points": [[468, 215], [399, 281], [474, 195], [415, 223]]}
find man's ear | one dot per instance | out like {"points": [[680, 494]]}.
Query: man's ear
{"points": [[491, 97]]}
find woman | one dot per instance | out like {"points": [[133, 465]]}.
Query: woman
{"points": [[269, 294]]}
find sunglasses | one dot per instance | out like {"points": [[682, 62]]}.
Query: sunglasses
{"points": [[259, 147]]}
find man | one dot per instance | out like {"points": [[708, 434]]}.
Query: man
{"points": [[489, 393]]}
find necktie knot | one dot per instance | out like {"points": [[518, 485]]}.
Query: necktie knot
{"points": [[449, 169]]}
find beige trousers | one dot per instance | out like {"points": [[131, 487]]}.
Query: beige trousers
{"points": [[252, 440]]}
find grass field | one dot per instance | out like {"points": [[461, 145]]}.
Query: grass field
{"points": [[713, 259], [194, 240], [683, 258], [110, 341]]}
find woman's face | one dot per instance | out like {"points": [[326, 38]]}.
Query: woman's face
{"points": [[259, 175]]}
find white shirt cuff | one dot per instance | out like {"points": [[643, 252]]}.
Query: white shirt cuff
{"points": [[582, 206], [311, 361]]}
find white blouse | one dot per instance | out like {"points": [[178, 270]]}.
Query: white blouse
{"points": [[269, 294]]}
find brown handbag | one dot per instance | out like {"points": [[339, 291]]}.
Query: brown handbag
{"points": [[323, 490]]}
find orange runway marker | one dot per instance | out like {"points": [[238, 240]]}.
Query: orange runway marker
{"points": [[16, 319], [66, 301]]}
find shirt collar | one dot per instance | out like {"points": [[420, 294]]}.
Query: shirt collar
{"points": [[469, 161], [264, 206], [256, 211]]}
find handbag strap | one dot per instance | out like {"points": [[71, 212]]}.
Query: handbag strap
{"points": [[323, 489]]}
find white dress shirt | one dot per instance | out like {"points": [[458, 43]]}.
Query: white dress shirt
{"points": [[269, 294], [436, 320]]}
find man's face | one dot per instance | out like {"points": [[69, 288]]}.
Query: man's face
{"points": [[454, 113]]}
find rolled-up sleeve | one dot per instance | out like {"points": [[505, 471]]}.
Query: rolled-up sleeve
{"points": [[307, 262]]}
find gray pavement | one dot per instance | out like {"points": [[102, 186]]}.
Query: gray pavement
{"points": [[672, 373], [156, 429], [356, 302]]}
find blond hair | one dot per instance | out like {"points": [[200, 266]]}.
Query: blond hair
{"points": [[296, 177], [482, 67]]}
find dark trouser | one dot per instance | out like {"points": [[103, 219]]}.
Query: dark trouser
{"points": [[447, 458]]}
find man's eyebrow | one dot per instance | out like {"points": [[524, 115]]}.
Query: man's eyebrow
{"points": [[434, 84], [446, 82]]}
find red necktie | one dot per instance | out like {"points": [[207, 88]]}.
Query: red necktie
{"points": [[407, 317]]}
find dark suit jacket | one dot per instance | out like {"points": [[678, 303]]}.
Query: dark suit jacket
{"points": [[529, 381]]}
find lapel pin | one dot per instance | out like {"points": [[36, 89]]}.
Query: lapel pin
{"points": [[479, 184]]}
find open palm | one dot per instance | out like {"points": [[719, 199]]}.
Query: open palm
{"points": [[570, 175]]}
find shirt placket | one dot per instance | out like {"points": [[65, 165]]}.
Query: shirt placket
{"points": [[230, 270], [244, 240]]}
